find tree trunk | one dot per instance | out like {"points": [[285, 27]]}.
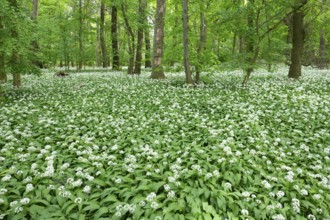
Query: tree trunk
{"points": [[131, 41], [114, 38], [80, 40], [269, 44], [97, 46], [241, 45], [322, 59], [201, 46], [34, 43], [138, 58], [15, 56], [234, 44], [186, 63], [297, 44], [175, 37], [322, 50], [157, 67], [249, 45], [15, 60], [17, 80], [148, 49], [3, 74], [102, 38]]}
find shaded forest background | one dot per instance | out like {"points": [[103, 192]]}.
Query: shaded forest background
{"points": [[163, 35]]}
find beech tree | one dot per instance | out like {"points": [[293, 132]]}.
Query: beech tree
{"points": [[102, 36], [114, 38], [186, 62], [157, 66], [141, 27], [130, 39], [35, 45], [297, 39], [3, 73]]}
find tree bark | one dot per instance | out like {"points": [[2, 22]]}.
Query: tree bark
{"points": [[234, 43], [131, 41], [252, 46], [241, 45], [114, 38], [322, 50], [102, 37], [80, 38], [34, 43], [97, 46], [138, 57], [186, 63], [15, 56], [157, 67], [148, 49], [322, 59], [3, 73], [297, 44], [201, 46]]}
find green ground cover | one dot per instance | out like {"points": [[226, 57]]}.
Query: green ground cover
{"points": [[108, 146]]}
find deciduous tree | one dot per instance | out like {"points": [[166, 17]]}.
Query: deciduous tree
{"points": [[157, 65]]}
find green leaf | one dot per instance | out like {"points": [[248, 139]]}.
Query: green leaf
{"points": [[70, 207], [91, 207], [100, 212], [99, 182]]}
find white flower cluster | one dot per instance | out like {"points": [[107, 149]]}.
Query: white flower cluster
{"points": [[278, 217], [295, 205]]}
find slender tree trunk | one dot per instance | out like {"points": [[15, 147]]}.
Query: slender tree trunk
{"points": [[322, 60], [114, 38], [80, 38], [15, 56], [102, 38], [157, 67], [322, 50], [297, 44], [241, 45], [15, 60], [131, 41], [138, 58], [34, 43], [175, 37], [234, 43], [201, 46], [186, 63], [3, 73], [97, 46], [269, 44], [252, 47], [148, 49]]}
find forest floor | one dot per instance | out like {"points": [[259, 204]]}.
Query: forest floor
{"points": [[108, 146]]}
